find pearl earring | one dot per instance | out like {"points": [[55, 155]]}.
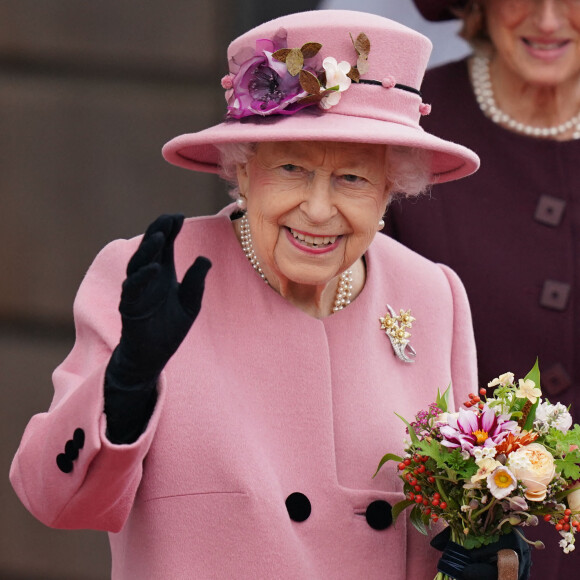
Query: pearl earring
{"points": [[381, 224], [241, 203]]}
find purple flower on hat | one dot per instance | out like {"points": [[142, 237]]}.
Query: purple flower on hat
{"points": [[262, 85]]}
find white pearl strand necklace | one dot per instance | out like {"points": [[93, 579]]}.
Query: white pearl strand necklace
{"points": [[343, 290], [483, 90]]}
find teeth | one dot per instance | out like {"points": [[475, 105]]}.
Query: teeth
{"points": [[545, 45], [314, 241]]}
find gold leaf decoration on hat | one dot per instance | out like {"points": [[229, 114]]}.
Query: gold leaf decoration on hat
{"points": [[294, 57], [310, 49], [354, 74], [309, 83], [281, 54], [362, 45], [294, 61]]}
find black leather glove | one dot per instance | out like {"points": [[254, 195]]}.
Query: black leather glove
{"points": [[480, 563], [157, 313]]}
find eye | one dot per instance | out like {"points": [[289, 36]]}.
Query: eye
{"points": [[351, 178], [290, 168]]}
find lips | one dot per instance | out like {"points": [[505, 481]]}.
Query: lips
{"points": [[546, 49]]}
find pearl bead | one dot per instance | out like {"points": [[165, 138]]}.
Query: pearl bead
{"points": [[483, 91]]}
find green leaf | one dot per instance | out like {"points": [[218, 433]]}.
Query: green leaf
{"points": [[442, 400], [432, 448], [568, 468], [388, 457], [412, 434], [400, 506], [533, 375], [416, 518]]}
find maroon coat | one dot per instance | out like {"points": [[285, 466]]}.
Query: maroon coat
{"points": [[512, 233]]}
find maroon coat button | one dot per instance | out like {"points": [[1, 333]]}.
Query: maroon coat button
{"points": [[550, 210], [555, 295]]}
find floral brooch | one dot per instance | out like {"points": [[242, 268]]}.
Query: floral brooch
{"points": [[274, 79], [396, 328]]}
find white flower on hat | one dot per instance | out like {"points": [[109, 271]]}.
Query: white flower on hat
{"points": [[336, 80]]}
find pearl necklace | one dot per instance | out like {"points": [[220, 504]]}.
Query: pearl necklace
{"points": [[343, 290], [483, 90]]}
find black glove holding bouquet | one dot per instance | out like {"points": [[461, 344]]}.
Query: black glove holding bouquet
{"points": [[480, 563]]}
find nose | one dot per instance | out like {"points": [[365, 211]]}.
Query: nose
{"points": [[318, 205], [548, 15]]}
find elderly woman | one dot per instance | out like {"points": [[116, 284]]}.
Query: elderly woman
{"points": [[511, 232], [242, 445]]}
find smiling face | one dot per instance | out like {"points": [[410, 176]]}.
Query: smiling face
{"points": [[537, 40], [313, 207]]}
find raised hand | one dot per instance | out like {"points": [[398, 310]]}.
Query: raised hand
{"points": [[157, 313]]}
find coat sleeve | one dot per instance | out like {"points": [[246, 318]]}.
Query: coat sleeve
{"points": [[65, 471]]}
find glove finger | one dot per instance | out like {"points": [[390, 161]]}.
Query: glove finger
{"points": [[174, 224], [148, 252], [165, 224], [193, 284], [441, 539], [135, 289]]}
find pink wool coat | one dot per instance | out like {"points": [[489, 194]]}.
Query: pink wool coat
{"points": [[259, 402]]}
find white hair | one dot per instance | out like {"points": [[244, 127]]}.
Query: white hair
{"points": [[408, 168]]}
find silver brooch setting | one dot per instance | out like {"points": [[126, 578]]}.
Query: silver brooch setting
{"points": [[396, 328]]}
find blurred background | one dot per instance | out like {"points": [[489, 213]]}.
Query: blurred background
{"points": [[89, 93]]}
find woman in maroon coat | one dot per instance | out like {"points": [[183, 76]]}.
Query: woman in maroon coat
{"points": [[512, 230]]}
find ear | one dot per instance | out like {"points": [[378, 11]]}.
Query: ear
{"points": [[243, 176]]}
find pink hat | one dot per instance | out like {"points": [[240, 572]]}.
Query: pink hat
{"points": [[325, 75]]}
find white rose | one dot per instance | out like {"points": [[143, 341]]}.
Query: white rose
{"points": [[535, 473]]}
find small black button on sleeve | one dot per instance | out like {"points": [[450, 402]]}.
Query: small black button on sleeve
{"points": [[298, 506], [71, 450], [79, 438], [65, 460], [64, 463], [379, 515]]}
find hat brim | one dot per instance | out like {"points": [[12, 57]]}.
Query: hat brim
{"points": [[197, 151]]}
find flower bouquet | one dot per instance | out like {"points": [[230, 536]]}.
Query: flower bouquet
{"points": [[501, 462]]}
